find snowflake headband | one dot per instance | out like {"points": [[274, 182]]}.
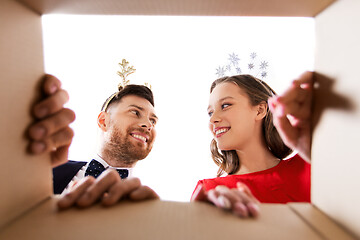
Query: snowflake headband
{"points": [[126, 70], [255, 67]]}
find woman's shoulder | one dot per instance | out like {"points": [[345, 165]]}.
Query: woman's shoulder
{"points": [[294, 167], [295, 161], [210, 183], [286, 167]]}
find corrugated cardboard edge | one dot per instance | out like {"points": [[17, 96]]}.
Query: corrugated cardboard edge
{"points": [[335, 144], [25, 179], [155, 219], [320, 223], [300, 8]]}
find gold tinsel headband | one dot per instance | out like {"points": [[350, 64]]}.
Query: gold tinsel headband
{"points": [[126, 70]]}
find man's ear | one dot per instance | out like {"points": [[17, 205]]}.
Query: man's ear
{"points": [[102, 121], [261, 110]]}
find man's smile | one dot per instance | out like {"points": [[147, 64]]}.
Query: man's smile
{"points": [[140, 136]]}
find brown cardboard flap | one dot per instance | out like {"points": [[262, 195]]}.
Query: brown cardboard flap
{"points": [[24, 180], [335, 166], [157, 220], [303, 8], [322, 224]]}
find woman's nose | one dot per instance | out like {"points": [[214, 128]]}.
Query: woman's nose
{"points": [[215, 118]]}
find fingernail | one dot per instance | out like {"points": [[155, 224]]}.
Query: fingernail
{"points": [[253, 209], [240, 210], [240, 186], [224, 202], [280, 111], [106, 196], [84, 198], [107, 200], [38, 147], [221, 188], [254, 206], [41, 112], [62, 203], [53, 89], [274, 99], [66, 201], [37, 132], [271, 104]]}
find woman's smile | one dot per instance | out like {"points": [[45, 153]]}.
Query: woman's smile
{"points": [[219, 131]]}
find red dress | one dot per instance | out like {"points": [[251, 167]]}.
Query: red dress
{"points": [[289, 181]]}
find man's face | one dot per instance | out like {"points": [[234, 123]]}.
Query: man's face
{"points": [[131, 128]]}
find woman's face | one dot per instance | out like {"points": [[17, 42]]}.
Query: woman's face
{"points": [[232, 118]]}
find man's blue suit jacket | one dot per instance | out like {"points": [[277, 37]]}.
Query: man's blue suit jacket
{"points": [[63, 174]]}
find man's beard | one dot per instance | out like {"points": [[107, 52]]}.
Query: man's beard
{"points": [[124, 151]]}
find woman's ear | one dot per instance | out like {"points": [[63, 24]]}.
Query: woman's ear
{"points": [[102, 121], [261, 110]]}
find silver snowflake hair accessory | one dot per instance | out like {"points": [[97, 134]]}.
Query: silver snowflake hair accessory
{"points": [[254, 67], [220, 71], [234, 59]]}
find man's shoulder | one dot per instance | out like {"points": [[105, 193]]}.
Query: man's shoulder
{"points": [[69, 168], [71, 163], [63, 174]]}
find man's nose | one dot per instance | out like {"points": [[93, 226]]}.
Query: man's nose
{"points": [[147, 125]]}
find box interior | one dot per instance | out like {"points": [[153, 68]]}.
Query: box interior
{"points": [[335, 179]]}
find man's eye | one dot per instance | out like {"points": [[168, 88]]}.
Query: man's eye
{"points": [[136, 112], [153, 121]]}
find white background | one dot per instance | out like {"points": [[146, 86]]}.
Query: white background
{"points": [[178, 56]]}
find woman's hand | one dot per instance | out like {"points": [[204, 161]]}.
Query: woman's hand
{"points": [[239, 200], [292, 115]]}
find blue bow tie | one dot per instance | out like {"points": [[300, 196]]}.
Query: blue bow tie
{"points": [[95, 169]]}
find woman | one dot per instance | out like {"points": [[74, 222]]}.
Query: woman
{"points": [[248, 147]]}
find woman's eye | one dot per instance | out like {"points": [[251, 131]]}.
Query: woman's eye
{"points": [[210, 114], [225, 105], [153, 121]]}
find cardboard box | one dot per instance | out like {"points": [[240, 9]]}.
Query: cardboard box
{"points": [[164, 220], [27, 209]]}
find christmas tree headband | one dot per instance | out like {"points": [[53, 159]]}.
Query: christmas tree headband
{"points": [[126, 70]]}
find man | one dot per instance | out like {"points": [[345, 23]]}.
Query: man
{"points": [[127, 124]]}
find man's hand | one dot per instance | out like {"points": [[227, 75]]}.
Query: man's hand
{"points": [[109, 188], [51, 131], [239, 200], [292, 115]]}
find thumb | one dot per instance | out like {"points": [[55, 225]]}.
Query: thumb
{"points": [[199, 193], [244, 188]]}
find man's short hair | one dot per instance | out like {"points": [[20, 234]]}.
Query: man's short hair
{"points": [[131, 89]]}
